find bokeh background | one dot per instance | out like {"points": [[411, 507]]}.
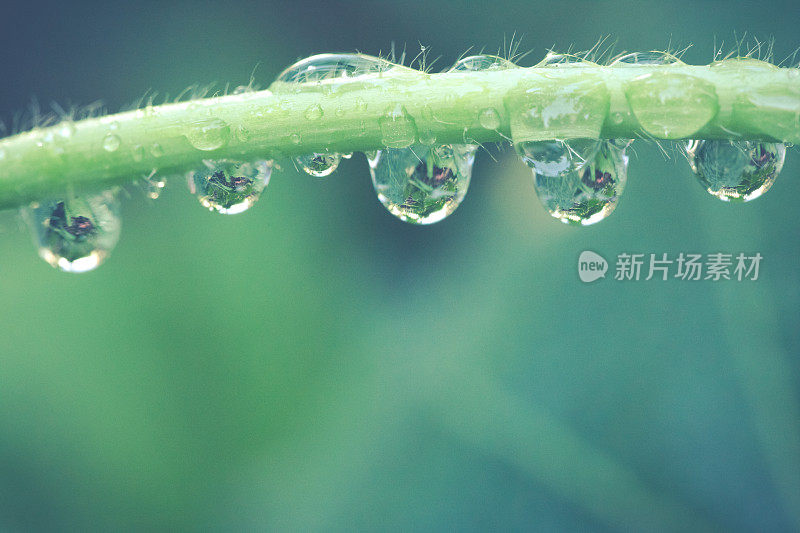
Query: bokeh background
{"points": [[315, 364]]}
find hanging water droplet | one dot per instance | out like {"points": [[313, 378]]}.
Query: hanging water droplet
{"points": [[736, 170], [329, 69], [154, 185], [229, 187], [398, 129], [482, 62], [209, 134], [314, 112], [579, 181], [111, 143], [489, 118], [670, 105], [319, 164], [76, 234], [653, 57], [556, 158], [421, 184]]}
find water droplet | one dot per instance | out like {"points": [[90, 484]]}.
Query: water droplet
{"points": [[421, 184], [229, 187], [156, 150], [66, 129], [319, 164], [672, 105], [330, 69], [579, 181], [137, 152], [617, 117], [646, 58], [482, 62], [398, 129], [489, 118], [111, 143], [314, 112], [736, 170], [76, 234], [209, 134], [744, 63], [554, 59], [154, 185], [427, 137], [242, 133], [295, 138]]}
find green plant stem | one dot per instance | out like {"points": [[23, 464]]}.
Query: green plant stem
{"points": [[743, 99]]}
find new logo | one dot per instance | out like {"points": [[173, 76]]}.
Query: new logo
{"points": [[591, 266]]}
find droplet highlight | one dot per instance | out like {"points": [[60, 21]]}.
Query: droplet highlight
{"points": [[736, 171], [76, 234], [422, 184], [229, 187]]}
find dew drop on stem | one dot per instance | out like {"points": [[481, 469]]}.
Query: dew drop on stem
{"points": [[209, 134]]}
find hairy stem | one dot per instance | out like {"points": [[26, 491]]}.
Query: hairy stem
{"points": [[734, 99]]}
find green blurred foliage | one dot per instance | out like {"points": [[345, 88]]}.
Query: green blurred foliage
{"points": [[315, 364]]}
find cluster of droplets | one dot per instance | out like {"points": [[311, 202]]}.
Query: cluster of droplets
{"points": [[579, 180]]}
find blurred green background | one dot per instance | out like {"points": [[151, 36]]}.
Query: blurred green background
{"points": [[315, 364]]}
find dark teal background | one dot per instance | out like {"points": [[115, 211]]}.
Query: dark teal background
{"points": [[315, 364]]}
